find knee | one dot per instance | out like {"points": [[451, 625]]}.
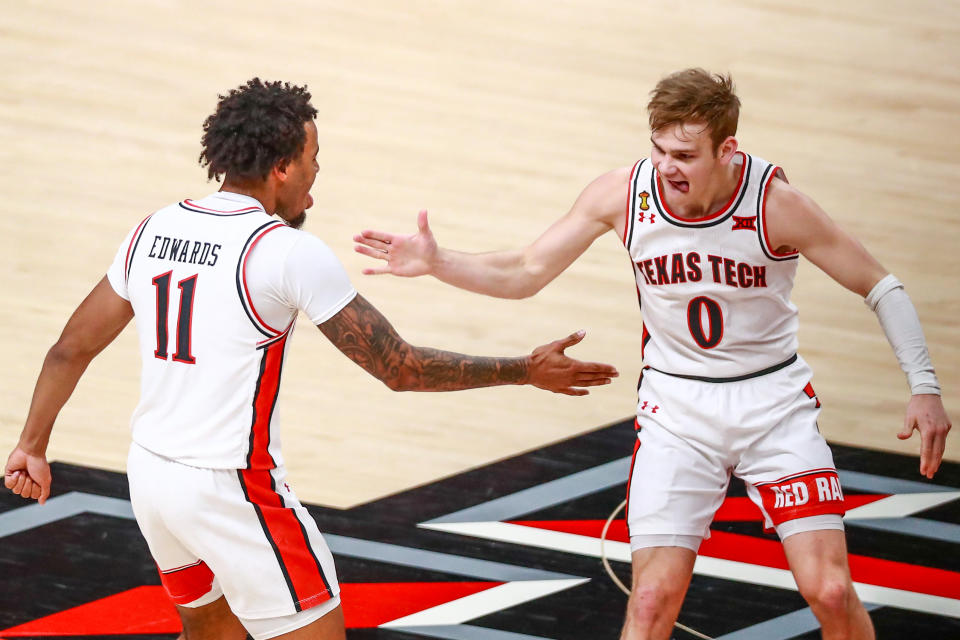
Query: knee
{"points": [[831, 596], [649, 602]]}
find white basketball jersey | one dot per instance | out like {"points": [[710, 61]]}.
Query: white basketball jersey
{"points": [[209, 282], [715, 297]]}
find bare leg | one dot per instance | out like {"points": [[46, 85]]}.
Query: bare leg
{"points": [[329, 627], [818, 560], [214, 621], [661, 576]]}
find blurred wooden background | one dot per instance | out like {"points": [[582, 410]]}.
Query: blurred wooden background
{"points": [[493, 115]]}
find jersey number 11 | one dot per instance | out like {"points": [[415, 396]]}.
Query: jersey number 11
{"points": [[188, 287]]}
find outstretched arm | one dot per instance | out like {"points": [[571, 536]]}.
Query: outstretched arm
{"points": [[94, 325], [797, 222], [365, 336], [515, 273]]}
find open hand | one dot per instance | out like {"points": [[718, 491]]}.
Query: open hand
{"points": [[27, 475], [926, 414], [550, 369], [405, 255]]}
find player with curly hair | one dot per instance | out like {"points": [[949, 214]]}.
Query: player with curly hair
{"points": [[216, 285]]}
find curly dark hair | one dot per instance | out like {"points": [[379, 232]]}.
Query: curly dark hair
{"points": [[255, 127]]}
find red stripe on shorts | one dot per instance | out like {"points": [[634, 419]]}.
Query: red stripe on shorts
{"points": [[299, 565], [814, 493], [186, 584], [633, 461]]}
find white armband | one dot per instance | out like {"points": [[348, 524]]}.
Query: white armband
{"points": [[900, 323]]}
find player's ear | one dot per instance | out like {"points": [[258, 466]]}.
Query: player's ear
{"points": [[727, 149], [279, 170]]}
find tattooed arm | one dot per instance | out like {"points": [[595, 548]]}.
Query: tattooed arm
{"points": [[366, 337]]}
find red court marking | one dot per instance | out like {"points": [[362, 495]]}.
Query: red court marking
{"points": [[732, 510], [143, 610], [769, 553], [368, 605], [148, 610]]}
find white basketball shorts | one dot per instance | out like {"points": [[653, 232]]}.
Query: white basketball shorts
{"points": [[692, 434], [241, 532]]}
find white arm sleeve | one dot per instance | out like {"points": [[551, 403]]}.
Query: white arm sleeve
{"points": [[900, 323]]}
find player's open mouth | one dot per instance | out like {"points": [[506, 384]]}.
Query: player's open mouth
{"points": [[680, 185]]}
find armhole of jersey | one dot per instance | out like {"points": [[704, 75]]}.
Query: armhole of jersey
{"points": [[769, 174], [246, 300], [132, 248], [631, 204]]}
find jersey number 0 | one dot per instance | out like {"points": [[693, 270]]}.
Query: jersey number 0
{"points": [[714, 331], [188, 287]]}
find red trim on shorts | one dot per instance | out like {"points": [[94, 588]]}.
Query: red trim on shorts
{"points": [[811, 493], [633, 461], [243, 272], [811, 393], [187, 583], [763, 216], [299, 564]]}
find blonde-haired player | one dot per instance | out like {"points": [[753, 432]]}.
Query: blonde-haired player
{"points": [[714, 235]]}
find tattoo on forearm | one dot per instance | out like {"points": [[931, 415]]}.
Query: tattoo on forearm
{"points": [[365, 336]]}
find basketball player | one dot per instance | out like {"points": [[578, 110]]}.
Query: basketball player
{"points": [[714, 235], [215, 285]]}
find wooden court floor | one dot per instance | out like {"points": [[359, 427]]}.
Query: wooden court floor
{"points": [[493, 115]]}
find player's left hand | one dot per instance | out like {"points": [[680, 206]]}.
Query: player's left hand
{"points": [[27, 475], [926, 414], [552, 370]]}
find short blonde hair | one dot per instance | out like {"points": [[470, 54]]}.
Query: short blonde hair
{"points": [[694, 95]]}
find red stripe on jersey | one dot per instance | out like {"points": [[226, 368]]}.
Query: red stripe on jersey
{"points": [[133, 241], [264, 400], [644, 339], [301, 569], [246, 291], [196, 206], [186, 584], [630, 199], [763, 217], [723, 210]]}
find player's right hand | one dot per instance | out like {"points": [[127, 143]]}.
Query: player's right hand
{"points": [[553, 370], [27, 475], [405, 255]]}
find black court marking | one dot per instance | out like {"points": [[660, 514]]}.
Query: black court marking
{"points": [[84, 557]]}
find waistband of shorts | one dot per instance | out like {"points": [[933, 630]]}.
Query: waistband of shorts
{"points": [[756, 374]]}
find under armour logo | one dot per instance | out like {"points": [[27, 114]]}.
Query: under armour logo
{"points": [[643, 217], [643, 407], [748, 223], [286, 486]]}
